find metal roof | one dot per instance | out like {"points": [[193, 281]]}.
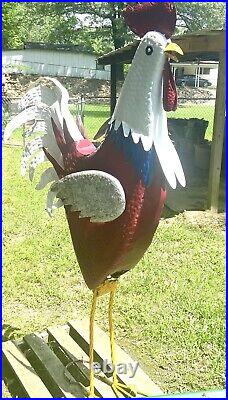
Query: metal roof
{"points": [[203, 45], [56, 47]]}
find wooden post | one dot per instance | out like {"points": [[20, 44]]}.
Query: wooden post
{"points": [[82, 103], [218, 135], [113, 88]]}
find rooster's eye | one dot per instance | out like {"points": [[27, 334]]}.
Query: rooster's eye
{"points": [[149, 50]]}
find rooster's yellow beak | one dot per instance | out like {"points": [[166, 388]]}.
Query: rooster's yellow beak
{"points": [[172, 50]]}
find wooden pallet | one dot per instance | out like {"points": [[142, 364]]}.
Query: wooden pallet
{"points": [[55, 364]]}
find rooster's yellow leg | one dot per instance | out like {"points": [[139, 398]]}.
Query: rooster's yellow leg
{"points": [[91, 345], [118, 388], [109, 286]]}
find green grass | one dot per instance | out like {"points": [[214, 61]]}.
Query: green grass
{"points": [[169, 310], [196, 111], [96, 114]]}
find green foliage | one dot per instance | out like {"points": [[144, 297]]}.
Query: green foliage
{"points": [[13, 16], [196, 16], [97, 25], [97, 114], [102, 28], [27, 21]]}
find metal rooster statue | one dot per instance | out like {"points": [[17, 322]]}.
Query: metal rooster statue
{"points": [[114, 194]]}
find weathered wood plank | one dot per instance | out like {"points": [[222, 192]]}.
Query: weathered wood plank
{"points": [[52, 367], [79, 330], [77, 355], [205, 43], [24, 372]]}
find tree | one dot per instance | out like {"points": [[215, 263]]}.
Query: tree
{"points": [[96, 25], [25, 21], [108, 15], [196, 16], [106, 19], [12, 16], [101, 28]]}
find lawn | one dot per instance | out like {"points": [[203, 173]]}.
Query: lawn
{"points": [[169, 310], [96, 114]]}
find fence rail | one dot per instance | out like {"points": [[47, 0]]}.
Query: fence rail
{"points": [[95, 110]]}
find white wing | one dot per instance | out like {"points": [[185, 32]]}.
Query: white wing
{"points": [[167, 155], [95, 194]]}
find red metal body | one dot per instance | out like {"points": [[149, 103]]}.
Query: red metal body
{"points": [[113, 247]]}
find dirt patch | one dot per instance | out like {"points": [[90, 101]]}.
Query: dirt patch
{"points": [[196, 218], [202, 218], [191, 95], [15, 85]]}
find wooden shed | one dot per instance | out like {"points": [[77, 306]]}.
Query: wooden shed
{"points": [[203, 45]]}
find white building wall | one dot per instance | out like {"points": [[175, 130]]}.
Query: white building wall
{"points": [[54, 63], [212, 77], [190, 70]]}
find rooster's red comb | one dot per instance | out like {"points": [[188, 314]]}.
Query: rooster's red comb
{"points": [[145, 17]]}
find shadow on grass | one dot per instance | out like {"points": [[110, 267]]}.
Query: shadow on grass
{"points": [[9, 332], [168, 213], [97, 114]]}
